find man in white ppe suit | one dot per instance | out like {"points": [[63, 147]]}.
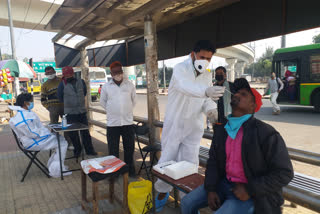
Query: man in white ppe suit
{"points": [[34, 136], [191, 97]]}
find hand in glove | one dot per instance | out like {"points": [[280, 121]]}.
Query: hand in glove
{"points": [[212, 115], [215, 92]]}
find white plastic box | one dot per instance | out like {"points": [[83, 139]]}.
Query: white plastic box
{"points": [[176, 170]]}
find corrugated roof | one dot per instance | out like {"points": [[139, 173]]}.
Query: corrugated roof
{"points": [[116, 19]]}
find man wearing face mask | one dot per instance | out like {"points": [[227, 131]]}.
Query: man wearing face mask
{"points": [[49, 96], [72, 92], [118, 98], [224, 107], [34, 136], [190, 98]]}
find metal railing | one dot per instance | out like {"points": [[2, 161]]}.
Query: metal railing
{"points": [[301, 189], [295, 154]]}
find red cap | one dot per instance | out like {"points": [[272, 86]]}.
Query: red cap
{"points": [[115, 64], [258, 99], [67, 71]]}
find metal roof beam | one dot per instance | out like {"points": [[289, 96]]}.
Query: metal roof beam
{"points": [[77, 18], [150, 7], [84, 43]]}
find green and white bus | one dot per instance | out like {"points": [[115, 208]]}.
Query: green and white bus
{"points": [[299, 69]]}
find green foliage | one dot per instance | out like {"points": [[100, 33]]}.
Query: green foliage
{"points": [[168, 71], [6, 56], [316, 39], [263, 66]]}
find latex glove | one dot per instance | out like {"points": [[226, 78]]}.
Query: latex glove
{"points": [[212, 115], [215, 92]]}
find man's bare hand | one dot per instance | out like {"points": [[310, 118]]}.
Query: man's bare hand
{"points": [[240, 192], [213, 200]]}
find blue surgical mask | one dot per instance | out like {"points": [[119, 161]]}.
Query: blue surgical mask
{"points": [[30, 106]]}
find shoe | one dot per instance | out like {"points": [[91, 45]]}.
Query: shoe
{"points": [[160, 203], [276, 112], [71, 147]]}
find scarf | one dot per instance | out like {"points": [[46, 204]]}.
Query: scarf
{"points": [[234, 123]]}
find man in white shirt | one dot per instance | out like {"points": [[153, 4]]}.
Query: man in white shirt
{"points": [[275, 85], [118, 99]]}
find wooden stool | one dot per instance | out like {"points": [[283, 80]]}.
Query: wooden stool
{"points": [[96, 177]]}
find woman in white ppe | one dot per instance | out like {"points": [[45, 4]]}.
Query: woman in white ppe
{"points": [[34, 136], [191, 97]]}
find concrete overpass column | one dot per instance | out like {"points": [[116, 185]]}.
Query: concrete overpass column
{"points": [[239, 68], [230, 71]]}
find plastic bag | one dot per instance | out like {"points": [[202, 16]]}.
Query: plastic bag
{"points": [[140, 197]]}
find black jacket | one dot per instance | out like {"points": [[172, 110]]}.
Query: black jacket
{"points": [[266, 164]]}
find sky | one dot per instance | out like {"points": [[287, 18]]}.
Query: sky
{"points": [[38, 45]]}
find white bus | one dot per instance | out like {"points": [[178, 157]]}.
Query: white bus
{"points": [[98, 77]]}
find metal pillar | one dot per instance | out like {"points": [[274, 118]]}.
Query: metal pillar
{"points": [[85, 75], [151, 59], [164, 76], [13, 46], [283, 41], [15, 87]]}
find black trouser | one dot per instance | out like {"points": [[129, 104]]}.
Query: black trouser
{"points": [[85, 134], [55, 112], [113, 137]]}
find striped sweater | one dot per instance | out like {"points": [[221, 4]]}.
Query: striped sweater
{"points": [[49, 95]]}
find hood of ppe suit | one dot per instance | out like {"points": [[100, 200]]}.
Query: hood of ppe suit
{"points": [[16, 108]]}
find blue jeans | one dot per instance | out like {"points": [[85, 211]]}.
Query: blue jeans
{"points": [[198, 198]]}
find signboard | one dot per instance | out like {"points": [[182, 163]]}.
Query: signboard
{"points": [[39, 67], [292, 68], [132, 77], [139, 81]]}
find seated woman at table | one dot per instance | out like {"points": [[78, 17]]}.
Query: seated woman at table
{"points": [[34, 135]]}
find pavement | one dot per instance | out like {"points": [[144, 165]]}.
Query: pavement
{"points": [[39, 194]]}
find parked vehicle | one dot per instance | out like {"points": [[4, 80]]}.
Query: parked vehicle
{"points": [[98, 77], [299, 69]]}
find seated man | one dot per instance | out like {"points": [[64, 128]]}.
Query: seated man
{"points": [[34, 136], [248, 163]]}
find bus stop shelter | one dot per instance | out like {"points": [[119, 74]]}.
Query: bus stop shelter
{"points": [[155, 30]]}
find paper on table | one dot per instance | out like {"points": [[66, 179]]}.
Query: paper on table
{"points": [[95, 164], [53, 126]]}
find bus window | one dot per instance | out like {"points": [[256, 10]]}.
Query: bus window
{"points": [[315, 67]]}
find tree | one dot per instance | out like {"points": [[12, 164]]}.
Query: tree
{"points": [[169, 71], [6, 56], [316, 39], [263, 66]]}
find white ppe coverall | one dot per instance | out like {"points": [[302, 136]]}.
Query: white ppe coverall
{"points": [[184, 118], [35, 137]]}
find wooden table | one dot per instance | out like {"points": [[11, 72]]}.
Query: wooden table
{"points": [[186, 184]]}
